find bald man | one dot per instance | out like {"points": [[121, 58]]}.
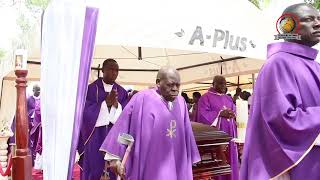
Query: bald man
{"points": [[217, 109], [281, 140], [158, 120]]}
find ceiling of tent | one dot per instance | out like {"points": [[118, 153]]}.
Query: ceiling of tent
{"points": [[194, 67]]}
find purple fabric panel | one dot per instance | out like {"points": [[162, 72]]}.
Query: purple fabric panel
{"points": [[88, 41]]}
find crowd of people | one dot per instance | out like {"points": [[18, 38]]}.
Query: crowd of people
{"points": [[282, 140], [155, 116], [283, 128]]}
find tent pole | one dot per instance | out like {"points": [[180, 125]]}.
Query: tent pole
{"points": [[99, 71], [253, 80], [238, 81], [139, 53], [221, 65]]}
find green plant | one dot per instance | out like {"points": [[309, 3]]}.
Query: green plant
{"points": [[260, 4], [24, 23], [42, 4], [2, 53], [316, 4], [28, 20], [256, 3]]}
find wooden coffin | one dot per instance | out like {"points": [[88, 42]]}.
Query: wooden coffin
{"points": [[212, 145]]}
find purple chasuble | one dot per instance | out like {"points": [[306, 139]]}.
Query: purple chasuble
{"points": [[284, 119], [91, 137], [36, 131], [209, 107], [164, 146], [31, 105]]}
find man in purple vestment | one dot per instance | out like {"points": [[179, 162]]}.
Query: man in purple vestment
{"points": [[33, 102], [164, 146], [193, 115], [104, 102], [217, 109], [36, 136], [283, 127]]}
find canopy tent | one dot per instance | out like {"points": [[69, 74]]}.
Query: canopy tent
{"points": [[161, 29], [201, 39]]}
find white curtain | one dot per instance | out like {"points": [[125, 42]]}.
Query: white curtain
{"points": [[60, 60]]}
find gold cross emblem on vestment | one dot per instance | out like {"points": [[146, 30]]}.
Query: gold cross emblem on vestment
{"points": [[171, 131]]}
